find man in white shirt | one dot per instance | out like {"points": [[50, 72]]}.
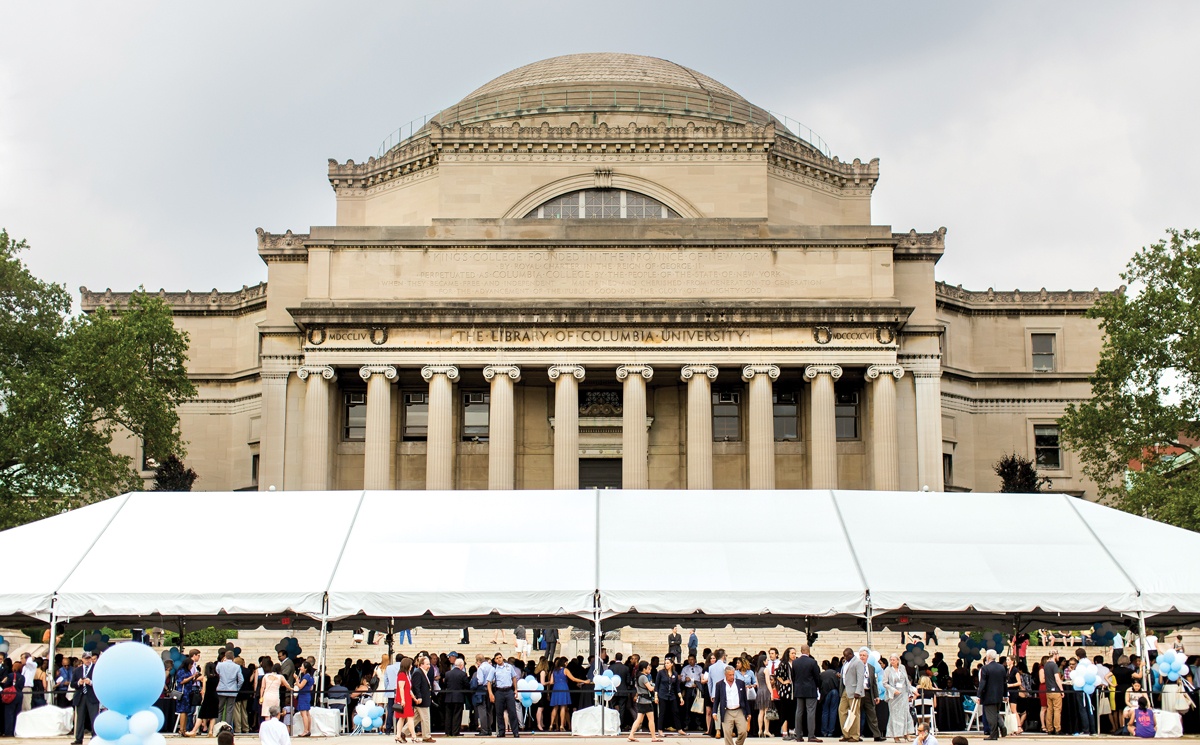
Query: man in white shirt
{"points": [[389, 691], [729, 707], [1118, 645], [272, 731]]}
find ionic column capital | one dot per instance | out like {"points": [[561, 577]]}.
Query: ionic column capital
{"points": [[324, 371], [366, 371], [450, 371], [686, 373], [557, 371], [511, 371], [812, 371], [749, 371], [624, 371], [874, 371]]}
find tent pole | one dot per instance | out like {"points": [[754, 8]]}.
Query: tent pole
{"points": [[53, 632], [869, 623], [321, 647], [390, 638], [1143, 653], [182, 631]]}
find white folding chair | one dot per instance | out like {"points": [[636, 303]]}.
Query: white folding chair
{"points": [[976, 714]]}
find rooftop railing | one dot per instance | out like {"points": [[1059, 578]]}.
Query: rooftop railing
{"points": [[671, 104]]}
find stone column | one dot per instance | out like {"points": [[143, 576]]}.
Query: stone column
{"points": [[501, 426], [439, 444], [315, 470], [762, 425], [928, 385], [635, 441], [566, 380], [274, 414], [378, 454], [823, 425], [884, 433], [699, 423]]}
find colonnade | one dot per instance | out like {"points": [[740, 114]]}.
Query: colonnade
{"points": [[441, 440]]}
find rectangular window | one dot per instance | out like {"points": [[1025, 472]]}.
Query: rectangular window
{"points": [[416, 416], [475, 416], [787, 417], [947, 469], [254, 469], [846, 413], [1047, 452], [355, 416], [727, 423], [1043, 352]]}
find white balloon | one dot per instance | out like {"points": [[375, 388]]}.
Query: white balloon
{"points": [[143, 724], [155, 738], [616, 679], [535, 697]]}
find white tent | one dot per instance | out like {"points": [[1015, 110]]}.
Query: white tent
{"points": [[753, 557]]}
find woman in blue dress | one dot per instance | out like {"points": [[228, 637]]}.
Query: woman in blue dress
{"points": [[560, 695], [304, 691], [185, 683]]}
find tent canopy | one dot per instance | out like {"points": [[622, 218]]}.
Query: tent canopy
{"points": [[751, 557]]}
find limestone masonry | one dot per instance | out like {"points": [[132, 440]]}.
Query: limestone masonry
{"points": [[606, 270]]}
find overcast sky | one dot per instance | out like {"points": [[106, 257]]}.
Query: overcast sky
{"points": [[142, 143]]}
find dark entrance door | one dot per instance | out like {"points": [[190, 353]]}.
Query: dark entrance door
{"points": [[599, 473]]}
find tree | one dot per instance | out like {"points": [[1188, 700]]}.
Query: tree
{"points": [[68, 384], [1018, 475], [1144, 416], [172, 475]]}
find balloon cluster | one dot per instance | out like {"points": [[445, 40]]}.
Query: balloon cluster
{"points": [[128, 680], [1103, 633], [606, 684], [915, 654], [237, 651], [369, 716], [529, 691], [96, 641], [3, 645], [873, 658], [174, 656], [1086, 676], [289, 646], [970, 649], [1171, 665]]}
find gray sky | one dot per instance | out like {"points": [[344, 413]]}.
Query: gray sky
{"points": [[142, 143]]}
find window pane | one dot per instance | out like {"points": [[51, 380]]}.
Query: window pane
{"points": [[416, 418], [1047, 452], [726, 416], [846, 413], [475, 416], [355, 416], [602, 203], [1043, 343], [786, 417]]}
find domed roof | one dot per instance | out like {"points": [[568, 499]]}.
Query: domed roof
{"points": [[604, 69], [613, 87]]}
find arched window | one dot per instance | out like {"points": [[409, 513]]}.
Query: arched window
{"points": [[602, 203]]}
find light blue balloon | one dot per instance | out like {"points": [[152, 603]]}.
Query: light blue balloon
{"points": [[111, 725], [358, 719], [130, 739], [540, 687], [1090, 679], [158, 714], [526, 699], [129, 678], [1173, 676], [1088, 688]]}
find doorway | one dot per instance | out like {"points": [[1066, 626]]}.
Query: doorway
{"points": [[599, 473]]}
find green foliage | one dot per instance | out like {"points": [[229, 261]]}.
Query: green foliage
{"points": [[1018, 475], [172, 475], [1146, 390], [68, 384], [210, 636]]}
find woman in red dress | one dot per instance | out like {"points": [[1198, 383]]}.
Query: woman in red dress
{"points": [[404, 702]]}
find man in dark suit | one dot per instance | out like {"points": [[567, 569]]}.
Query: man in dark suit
{"points": [[620, 698], [993, 684], [87, 706], [729, 707], [458, 685], [806, 687], [871, 704]]}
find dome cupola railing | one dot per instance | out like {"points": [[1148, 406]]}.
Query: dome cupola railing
{"points": [[542, 101]]}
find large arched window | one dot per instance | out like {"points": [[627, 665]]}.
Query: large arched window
{"points": [[602, 203]]}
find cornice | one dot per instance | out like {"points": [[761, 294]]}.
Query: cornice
{"points": [[747, 314], [483, 142], [1006, 302], [187, 303], [286, 246], [1015, 376], [914, 246], [969, 405]]}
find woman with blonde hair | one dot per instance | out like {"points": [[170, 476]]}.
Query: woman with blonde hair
{"points": [[898, 692]]}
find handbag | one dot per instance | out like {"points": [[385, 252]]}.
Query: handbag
{"points": [[697, 706], [751, 694], [772, 715]]}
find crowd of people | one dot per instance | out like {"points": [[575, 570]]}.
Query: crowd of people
{"points": [[790, 695]]}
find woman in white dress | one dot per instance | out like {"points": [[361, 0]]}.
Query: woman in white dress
{"points": [[899, 693]]}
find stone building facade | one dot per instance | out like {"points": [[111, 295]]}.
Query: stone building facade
{"points": [[611, 270]]}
